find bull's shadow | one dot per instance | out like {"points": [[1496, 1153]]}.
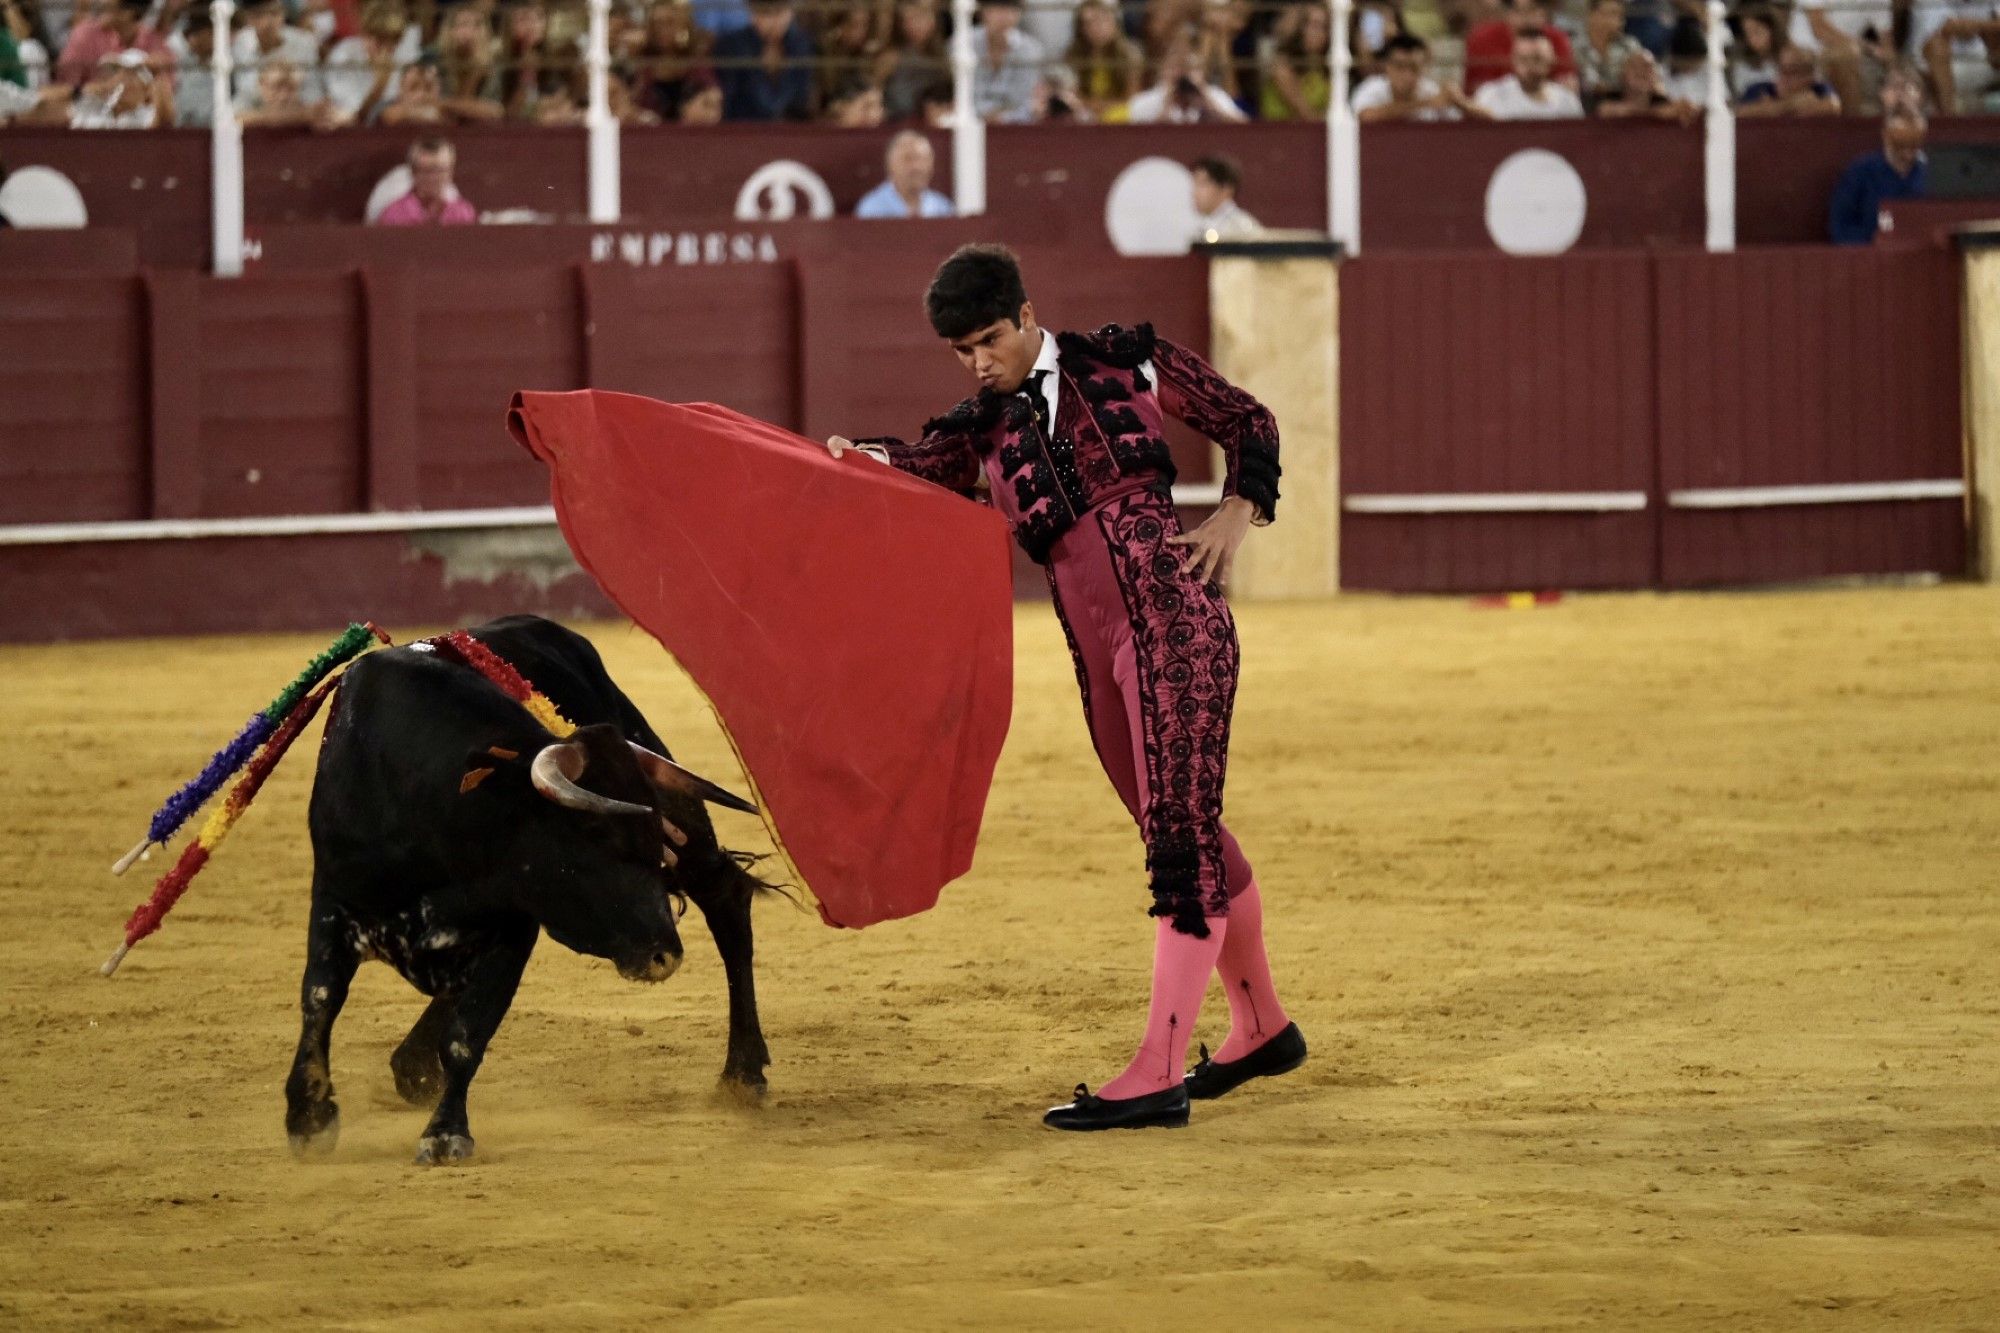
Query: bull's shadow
{"points": [[450, 828]]}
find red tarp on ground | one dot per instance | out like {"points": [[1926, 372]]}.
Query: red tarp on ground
{"points": [[852, 627]]}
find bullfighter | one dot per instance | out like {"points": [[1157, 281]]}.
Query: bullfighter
{"points": [[1066, 436]]}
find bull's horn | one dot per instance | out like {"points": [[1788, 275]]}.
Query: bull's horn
{"points": [[555, 772], [664, 772]]}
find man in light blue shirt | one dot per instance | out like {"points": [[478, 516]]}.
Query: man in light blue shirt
{"points": [[907, 192], [1009, 63]]}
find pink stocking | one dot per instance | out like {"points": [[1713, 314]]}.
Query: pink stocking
{"points": [[1255, 1016], [1181, 964]]}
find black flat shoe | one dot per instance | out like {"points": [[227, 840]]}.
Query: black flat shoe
{"points": [[1167, 1108], [1280, 1055]]}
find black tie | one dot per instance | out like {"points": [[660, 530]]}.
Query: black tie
{"points": [[1038, 401]]}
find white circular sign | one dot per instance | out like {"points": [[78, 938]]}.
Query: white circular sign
{"points": [[1535, 204], [772, 193], [42, 197], [1150, 210]]}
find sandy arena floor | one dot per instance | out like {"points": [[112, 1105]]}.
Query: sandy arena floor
{"points": [[1649, 949]]}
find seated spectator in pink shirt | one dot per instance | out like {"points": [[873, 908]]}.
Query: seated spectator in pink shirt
{"points": [[123, 28], [433, 201]]}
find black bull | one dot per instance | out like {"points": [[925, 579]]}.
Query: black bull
{"points": [[449, 829]]}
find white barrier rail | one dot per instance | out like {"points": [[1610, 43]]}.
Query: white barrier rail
{"points": [[1499, 502], [320, 525]]}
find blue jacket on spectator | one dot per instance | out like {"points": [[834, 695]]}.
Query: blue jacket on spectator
{"points": [[1765, 90], [720, 16], [749, 93], [1867, 184]]}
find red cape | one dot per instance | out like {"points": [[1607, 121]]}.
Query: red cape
{"points": [[851, 627]]}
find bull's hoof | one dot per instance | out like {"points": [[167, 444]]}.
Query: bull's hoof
{"points": [[315, 1132], [443, 1149], [738, 1090], [419, 1082]]}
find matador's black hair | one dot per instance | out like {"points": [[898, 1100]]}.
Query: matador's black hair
{"points": [[977, 286]]}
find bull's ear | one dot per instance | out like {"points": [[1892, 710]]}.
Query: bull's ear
{"points": [[483, 764]]}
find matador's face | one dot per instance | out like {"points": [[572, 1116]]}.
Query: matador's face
{"points": [[1001, 354]]}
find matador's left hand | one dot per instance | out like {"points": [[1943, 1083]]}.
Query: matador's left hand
{"points": [[1216, 540]]}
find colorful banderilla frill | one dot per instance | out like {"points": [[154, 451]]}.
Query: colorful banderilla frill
{"points": [[263, 741], [255, 751], [181, 806]]}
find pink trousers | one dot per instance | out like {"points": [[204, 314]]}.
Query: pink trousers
{"points": [[1156, 658]]}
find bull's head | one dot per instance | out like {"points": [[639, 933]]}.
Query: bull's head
{"points": [[606, 869]]}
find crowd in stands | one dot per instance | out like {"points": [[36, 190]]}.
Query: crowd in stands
{"points": [[100, 64]]}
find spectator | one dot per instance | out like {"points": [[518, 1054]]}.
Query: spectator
{"points": [[1369, 30], [1760, 39], [1902, 89], [433, 200], [22, 100], [1009, 63], [464, 58], [701, 100], [1796, 91], [266, 36], [1298, 80], [122, 28], [125, 95], [718, 18], [1853, 39], [193, 51], [1687, 63], [913, 58], [848, 49], [1529, 93], [854, 105], [21, 27], [1642, 94], [1601, 56], [623, 102], [671, 52], [766, 69], [1056, 98], [421, 100], [1218, 217], [937, 108], [325, 21], [280, 102], [1404, 90], [1489, 47], [1108, 65], [533, 69], [1219, 44], [907, 192], [1895, 172], [1051, 24], [1182, 96], [363, 73], [1646, 21], [1957, 39]]}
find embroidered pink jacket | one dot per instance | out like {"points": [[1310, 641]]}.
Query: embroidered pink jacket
{"points": [[1109, 438]]}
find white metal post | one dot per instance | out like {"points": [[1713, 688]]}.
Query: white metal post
{"points": [[225, 165], [968, 131], [1343, 141], [1719, 139], [598, 120]]}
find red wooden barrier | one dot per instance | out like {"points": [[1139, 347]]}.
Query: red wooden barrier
{"points": [[1470, 383], [1803, 368], [72, 379]]}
